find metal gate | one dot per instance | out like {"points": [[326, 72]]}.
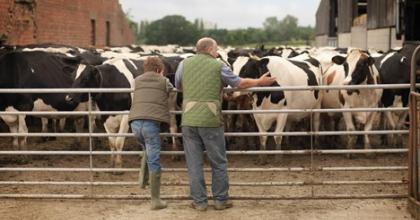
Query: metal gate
{"points": [[312, 169]]}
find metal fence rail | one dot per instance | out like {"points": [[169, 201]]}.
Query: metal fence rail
{"points": [[250, 152], [278, 169], [254, 89], [185, 197], [334, 110], [254, 184], [227, 134]]}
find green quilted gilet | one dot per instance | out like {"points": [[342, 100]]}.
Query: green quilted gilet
{"points": [[201, 85]]}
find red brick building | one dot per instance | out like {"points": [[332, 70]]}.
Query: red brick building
{"points": [[80, 23]]}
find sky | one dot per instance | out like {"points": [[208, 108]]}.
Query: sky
{"points": [[230, 14]]}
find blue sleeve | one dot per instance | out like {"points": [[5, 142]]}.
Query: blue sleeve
{"points": [[178, 75], [229, 78]]}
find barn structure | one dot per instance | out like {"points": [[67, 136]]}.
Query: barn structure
{"points": [[376, 24], [77, 22]]}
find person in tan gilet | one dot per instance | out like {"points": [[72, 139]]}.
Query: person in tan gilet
{"points": [[148, 111]]}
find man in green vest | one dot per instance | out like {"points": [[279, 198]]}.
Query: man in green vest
{"points": [[201, 78]]}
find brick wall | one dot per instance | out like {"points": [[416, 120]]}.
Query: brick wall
{"points": [[64, 22]]}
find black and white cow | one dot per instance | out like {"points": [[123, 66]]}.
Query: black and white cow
{"points": [[356, 69], [288, 53], [287, 73], [86, 56], [5, 49], [239, 100], [114, 73], [35, 70], [394, 68]]}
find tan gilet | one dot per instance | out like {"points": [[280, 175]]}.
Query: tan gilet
{"points": [[150, 100]]}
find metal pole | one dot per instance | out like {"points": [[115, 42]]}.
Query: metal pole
{"points": [[412, 143], [312, 153], [276, 111], [269, 152], [186, 197], [254, 89], [184, 183], [413, 69], [232, 134], [90, 142], [279, 169]]}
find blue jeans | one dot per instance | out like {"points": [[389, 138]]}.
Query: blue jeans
{"points": [[196, 140], [147, 133]]}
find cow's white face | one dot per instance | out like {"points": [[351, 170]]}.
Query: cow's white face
{"points": [[351, 61], [358, 67]]}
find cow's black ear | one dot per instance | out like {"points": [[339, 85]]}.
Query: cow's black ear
{"points": [[262, 65], [338, 60], [371, 61], [263, 62]]}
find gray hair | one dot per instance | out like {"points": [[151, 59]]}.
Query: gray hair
{"points": [[205, 44]]}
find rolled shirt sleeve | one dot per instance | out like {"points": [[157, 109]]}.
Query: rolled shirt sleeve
{"points": [[229, 78]]}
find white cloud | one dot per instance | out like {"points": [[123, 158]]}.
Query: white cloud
{"points": [[226, 13]]}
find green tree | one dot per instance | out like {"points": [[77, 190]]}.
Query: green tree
{"points": [[220, 35], [307, 33], [288, 28], [271, 28], [176, 29], [173, 29], [141, 35]]}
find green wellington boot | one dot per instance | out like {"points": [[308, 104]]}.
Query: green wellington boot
{"points": [[144, 171], [155, 191]]}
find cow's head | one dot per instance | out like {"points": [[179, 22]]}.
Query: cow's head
{"points": [[358, 67], [246, 67], [253, 68], [87, 76]]}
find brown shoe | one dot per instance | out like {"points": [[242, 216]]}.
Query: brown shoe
{"points": [[199, 207], [221, 205]]}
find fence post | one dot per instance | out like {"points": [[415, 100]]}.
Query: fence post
{"points": [[90, 142], [413, 156]]}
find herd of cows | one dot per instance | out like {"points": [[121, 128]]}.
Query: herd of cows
{"points": [[59, 66]]}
